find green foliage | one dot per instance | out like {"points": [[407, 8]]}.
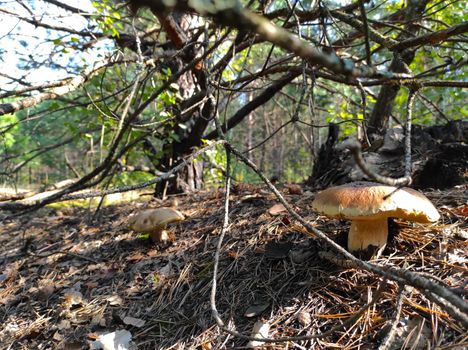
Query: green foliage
{"points": [[7, 138], [108, 18], [212, 174]]}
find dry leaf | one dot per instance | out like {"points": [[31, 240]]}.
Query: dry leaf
{"points": [[132, 321], [98, 320], [304, 318], [57, 336], [457, 257], [233, 255], [46, 291], [114, 300], [64, 324], [277, 209], [256, 309], [463, 210], [294, 189], [260, 330], [91, 285], [72, 298], [285, 220]]}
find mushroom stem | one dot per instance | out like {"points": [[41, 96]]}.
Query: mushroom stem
{"points": [[364, 233], [159, 235]]}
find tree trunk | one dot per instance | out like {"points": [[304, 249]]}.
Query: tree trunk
{"points": [[192, 85], [382, 111]]}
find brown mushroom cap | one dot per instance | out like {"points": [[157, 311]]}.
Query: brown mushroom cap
{"points": [[152, 220], [368, 205], [369, 200]]}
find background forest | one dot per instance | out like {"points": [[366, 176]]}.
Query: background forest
{"points": [[80, 83]]}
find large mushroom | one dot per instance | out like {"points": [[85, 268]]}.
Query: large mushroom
{"points": [[368, 205], [154, 222]]}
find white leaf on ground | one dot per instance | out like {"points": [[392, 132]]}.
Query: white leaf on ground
{"points": [[260, 330], [458, 256], [114, 300], [118, 340]]}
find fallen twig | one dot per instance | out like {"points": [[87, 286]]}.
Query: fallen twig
{"points": [[387, 343]]}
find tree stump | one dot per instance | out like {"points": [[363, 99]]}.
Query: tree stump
{"points": [[439, 157]]}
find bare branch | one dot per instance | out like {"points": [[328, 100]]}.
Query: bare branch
{"points": [[373, 34], [432, 38], [69, 85], [67, 7], [234, 15], [355, 148], [365, 25], [261, 99]]}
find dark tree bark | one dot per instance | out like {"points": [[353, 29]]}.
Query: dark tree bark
{"points": [[439, 158], [192, 85]]}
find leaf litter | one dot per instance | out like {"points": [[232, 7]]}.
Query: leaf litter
{"points": [[67, 282]]}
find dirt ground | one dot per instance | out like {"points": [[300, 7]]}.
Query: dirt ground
{"points": [[68, 276]]}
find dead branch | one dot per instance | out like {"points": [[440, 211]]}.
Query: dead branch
{"points": [[62, 89], [432, 38], [355, 148], [224, 229], [37, 23], [388, 341]]}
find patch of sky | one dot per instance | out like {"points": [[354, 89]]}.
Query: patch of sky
{"points": [[34, 54]]}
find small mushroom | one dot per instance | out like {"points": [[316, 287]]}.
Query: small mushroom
{"points": [[154, 222], [368, 205]]}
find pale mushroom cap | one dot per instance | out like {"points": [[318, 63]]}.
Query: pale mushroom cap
{"points": [[154, 219], [369, 200]]}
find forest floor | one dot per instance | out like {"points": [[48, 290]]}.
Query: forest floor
{"points": [[69, 276]]}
